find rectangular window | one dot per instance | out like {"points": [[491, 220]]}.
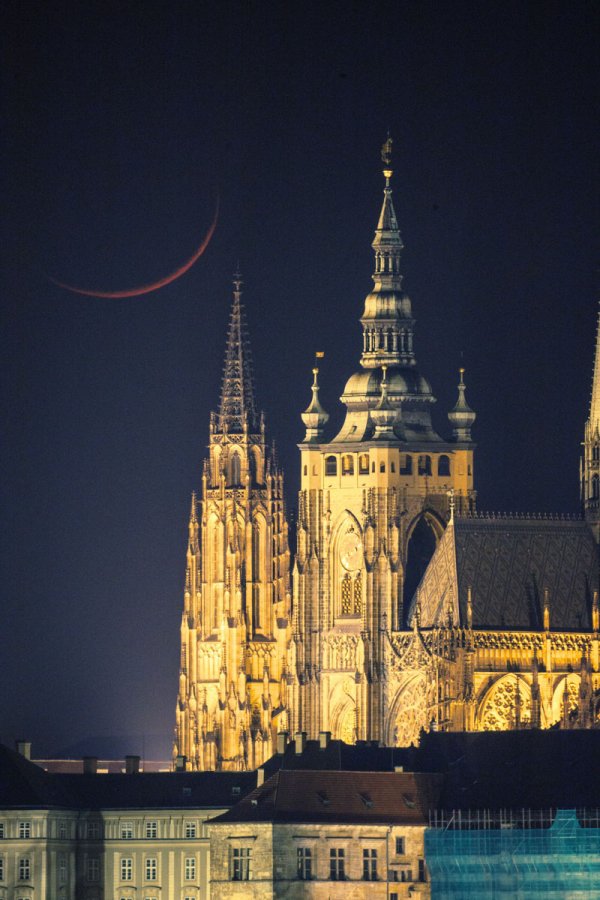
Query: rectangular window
{"points": [[422, 870], [406, 875], [93, 831], [1, 868], [127, 831], [24, 830], [400, 846], [190, 829], [369, 865], [2, 832], [190, 868], [241, 858], [62, 869], [337, 870], [126, 868], [151, 868], [24, 869], [305, 872], [62, 831], [151, 829], [92, 869]]}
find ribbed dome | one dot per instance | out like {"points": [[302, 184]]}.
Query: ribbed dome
{"points": [[400, 383]]}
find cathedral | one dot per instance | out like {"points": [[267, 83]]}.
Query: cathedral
{"points": [[401, 608]]}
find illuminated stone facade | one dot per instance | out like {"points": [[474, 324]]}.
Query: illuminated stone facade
{"points": [[235, 624], [410, 610]]}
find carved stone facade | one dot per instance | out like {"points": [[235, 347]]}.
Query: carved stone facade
{"points": [[235, 624], [410, 610]]}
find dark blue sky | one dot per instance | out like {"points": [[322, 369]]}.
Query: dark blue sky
{"points": [[120, 122]]}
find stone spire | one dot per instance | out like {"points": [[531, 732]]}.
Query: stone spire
{"points": [[590, 462], [237, 407], [387, 321], [462, 416]]}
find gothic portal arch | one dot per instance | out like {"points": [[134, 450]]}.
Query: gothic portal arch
{"points": [[423, 536], [408, 712], [344, 722], [505, 705], [566, 688]]}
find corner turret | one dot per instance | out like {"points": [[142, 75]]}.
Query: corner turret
{"points": [[462, 416]]}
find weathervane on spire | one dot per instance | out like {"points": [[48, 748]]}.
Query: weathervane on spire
{"points": [[386, 152]]}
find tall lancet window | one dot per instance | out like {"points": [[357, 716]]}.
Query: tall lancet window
{"points": [[358, 594], [347, 595], [235, 469]]}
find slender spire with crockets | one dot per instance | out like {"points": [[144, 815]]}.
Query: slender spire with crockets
{"points": [[237, 393]]}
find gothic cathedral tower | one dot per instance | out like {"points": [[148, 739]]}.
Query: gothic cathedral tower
{"points": [[235, 624], [374, 501], [590, 463]]}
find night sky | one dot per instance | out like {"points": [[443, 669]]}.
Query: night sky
{"points": [[121, 124]]}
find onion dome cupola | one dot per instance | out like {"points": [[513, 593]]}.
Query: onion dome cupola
{"points": [[462, 416], [388, 328], [314, 416]]}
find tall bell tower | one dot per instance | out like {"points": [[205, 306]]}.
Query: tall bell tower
{"points": [[368, 496], [236, 617], [590, 463]]}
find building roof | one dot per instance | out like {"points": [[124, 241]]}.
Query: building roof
{"points": [[312, 797], [508, 563], [25, 785]]}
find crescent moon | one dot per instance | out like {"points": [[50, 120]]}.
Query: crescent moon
{"points": [[148, 288]]}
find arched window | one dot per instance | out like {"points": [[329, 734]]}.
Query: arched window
{"points": [[306, 470], [347, 464], [363, 464], [424, 465], [235, 469], [444, 465], [595, 488], [406, 465], [330, 465]]}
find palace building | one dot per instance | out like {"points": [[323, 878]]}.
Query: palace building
{"points": [[402, 608]]}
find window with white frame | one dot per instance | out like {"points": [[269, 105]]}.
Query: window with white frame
{"points": [[92, 869], [190, 868], [151, 868], [62, 869], [151, 829], [190, 829], [24, 868], [126, 831], [241, 860], [126, 868], [24, 830]]}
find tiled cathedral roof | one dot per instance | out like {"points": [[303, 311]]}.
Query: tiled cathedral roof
{"points": [[509, 563]]}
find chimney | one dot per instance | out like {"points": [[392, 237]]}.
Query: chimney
{"points": [[132, 765], [260, 777], [300, 741], [24, 748], [90, 765], [324, 738], [180, 762], [282, 739], [398, 768]]}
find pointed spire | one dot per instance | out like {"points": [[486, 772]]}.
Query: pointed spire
{"points": [[314, 416], [387, 319], [595, 401], [462, 416], [237, 407]]}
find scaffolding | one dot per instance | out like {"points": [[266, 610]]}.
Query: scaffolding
{"points": [[529, 854]]}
